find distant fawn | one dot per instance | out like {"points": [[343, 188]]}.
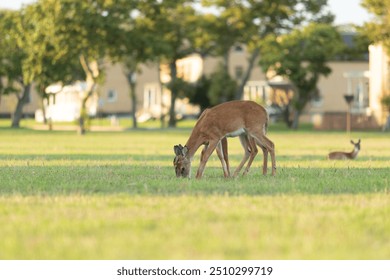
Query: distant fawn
{"points": [[343, 155]]}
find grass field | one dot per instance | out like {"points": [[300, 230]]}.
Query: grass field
{"points": [[115, 196]]}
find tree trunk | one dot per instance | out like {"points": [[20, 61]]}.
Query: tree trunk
{"points": [[47, 121], [226, 58], [172, 113], [82, 118], [133, 95], [287, 116], [299, 106], [130, 76], [134, 104], [162, 105], [83, 111], [386, 127], [43, 109], [295, 122], [91, 69], [18, 114], [245, 78], [1, 88]]}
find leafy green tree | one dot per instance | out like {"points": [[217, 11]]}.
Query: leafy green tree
{"points": [[301, 56], [17, 37], [222, 86], [88, 30], [199, 93], [356, 44], [9, 61], [378, 30], [30, 54], [170, 22], [251, 21], [52, 68], [140, 43]]}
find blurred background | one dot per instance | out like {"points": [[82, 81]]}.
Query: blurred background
{"points": [[127, 63]]}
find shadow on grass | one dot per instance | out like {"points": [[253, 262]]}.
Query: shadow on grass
{"points": [[131, 157], [155, 180]]}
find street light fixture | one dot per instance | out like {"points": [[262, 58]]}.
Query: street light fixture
{"points": [[349, 99]]}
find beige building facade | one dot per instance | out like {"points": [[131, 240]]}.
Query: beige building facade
{"points": [[326, 112], [367, 82]]}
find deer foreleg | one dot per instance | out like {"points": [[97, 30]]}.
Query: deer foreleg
{"points": [[207, 151], [223, 157], [225, 153], [265, 159]]}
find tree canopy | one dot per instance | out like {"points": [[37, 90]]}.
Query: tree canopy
{"points": [[301, 56], [378, 30], [61, 40]]}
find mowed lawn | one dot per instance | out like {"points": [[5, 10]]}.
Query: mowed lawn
{"points": [[115, 196]]}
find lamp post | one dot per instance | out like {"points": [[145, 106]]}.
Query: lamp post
{"points": [[349, 98]]}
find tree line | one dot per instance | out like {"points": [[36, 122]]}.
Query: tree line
{"points": [[52, 41]]}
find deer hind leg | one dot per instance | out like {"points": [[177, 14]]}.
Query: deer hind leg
{"points": [[245, 144], [268, 147], [202, 153], [223, 156], [225, 153], [254, 151], [265, 159], [206, 152]]}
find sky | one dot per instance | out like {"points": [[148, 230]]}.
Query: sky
{"points": [[346, 11]]}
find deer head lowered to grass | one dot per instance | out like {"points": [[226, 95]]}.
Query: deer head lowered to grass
{"points": [[245, 119], [344, 155]]}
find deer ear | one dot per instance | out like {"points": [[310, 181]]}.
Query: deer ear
{"points": [[177, 149], [185, 151], [352, 142], [359, 141]]}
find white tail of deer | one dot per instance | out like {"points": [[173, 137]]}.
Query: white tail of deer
{"points": [[344, 155], [245, 119]]}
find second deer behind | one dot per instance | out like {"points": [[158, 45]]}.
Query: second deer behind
{"points": [[345, 155]]}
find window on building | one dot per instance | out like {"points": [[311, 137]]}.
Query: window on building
{"points": [[357, 86], [238, 72], [238, 49], [150, 96], [317, 100], [112, 96], [361, 96]]}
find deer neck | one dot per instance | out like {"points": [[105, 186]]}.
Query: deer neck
{"points": [[193, 144], [354, 153]]}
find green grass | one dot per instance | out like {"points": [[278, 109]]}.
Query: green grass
{"points": [[114, 196], [195, 227]]}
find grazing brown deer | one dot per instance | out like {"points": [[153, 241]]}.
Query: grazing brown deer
{"points": [[249, 145], [344, 155], [245, 119]]}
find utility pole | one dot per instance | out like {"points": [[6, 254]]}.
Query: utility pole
{"points": [[349, 99]]}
